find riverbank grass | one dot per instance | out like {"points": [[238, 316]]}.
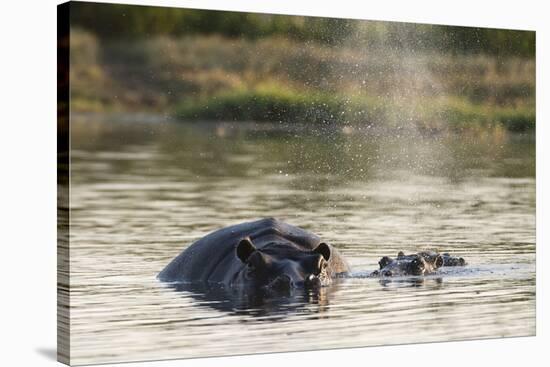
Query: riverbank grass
{"points": [[284, 105]]}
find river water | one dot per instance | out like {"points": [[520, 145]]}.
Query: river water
{"points": [[143, 188]]}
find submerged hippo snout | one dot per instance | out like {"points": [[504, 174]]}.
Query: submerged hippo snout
{"points": [[282, 282], [421, 263]]}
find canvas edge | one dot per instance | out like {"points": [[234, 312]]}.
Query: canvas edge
{"points": [[63, 178]]}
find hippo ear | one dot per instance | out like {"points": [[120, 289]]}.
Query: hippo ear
{"points": [[323, 249], [438, 261], [384, 261], [245, 248]]}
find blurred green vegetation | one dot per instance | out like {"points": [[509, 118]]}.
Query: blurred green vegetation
{"points": [[274, 103], [277, 105], [209, 65], [119, 21]]}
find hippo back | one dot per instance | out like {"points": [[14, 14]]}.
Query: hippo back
{"points": [[212, 258]]}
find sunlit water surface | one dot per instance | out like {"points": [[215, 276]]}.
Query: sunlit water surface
{"points": [[141, 191]]}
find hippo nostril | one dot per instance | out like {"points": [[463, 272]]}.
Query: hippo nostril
{"points": [[312, 281], [281, 282], [387, 273]]}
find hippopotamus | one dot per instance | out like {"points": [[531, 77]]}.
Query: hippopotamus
{"points": [[421, 263], [449, 260], [264, 254]]}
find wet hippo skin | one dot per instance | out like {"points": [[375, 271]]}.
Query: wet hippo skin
{"points": [[421, 263], [265, 254]]}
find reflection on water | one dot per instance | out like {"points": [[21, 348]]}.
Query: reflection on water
{"points": [[142, 191], [259, 303]]}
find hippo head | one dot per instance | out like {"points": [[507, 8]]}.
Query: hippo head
{"points": [[280, 266], [406, 265], [449, 260]]}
